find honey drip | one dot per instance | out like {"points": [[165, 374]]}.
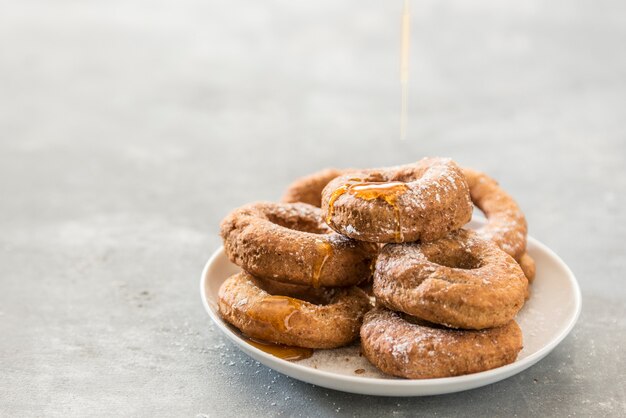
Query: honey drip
{"points": [[335, 195], [387, 191], [324, 250], [284, 352], [274, 311]]}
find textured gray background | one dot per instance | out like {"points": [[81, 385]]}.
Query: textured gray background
{"points": [[128, 129]]}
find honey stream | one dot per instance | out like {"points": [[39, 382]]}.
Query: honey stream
{"points": [[387, 191], [324, 250], [404, 66]]}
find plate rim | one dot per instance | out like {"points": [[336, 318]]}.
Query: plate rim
{"points": [[421, 387]]}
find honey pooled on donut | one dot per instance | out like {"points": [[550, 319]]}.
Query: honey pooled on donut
{"points": [[325, 250], [330, 318], [420, 201], [507, 220], [388, 192]]}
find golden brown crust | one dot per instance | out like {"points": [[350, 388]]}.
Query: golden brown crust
{"points": [[286, 320], [420, 201], [460, 281], [506, 223], [485, 192], [416, 350], [289, 242], [308, 189], [527, 264]]}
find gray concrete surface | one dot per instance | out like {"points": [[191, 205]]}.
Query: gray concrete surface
{"points": [[128, 129]]}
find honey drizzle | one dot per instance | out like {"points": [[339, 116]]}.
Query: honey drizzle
{"points": [[324, 250], [274, 311], [387, 191], [331, 202], [285, 352], [398, 235]]}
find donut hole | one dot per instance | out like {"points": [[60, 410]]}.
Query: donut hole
{"points": [[378, 177], [299, 223], [408, 176], [421, 322], [320, 296], [456, 259], [375, 177]]}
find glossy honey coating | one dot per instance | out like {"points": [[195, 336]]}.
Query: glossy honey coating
{"points": [[308, 189], [406, 347], [331, 321], [420, 201], [311, 294], [389, 192], [461, 281], [285, 352], [289, 242]]}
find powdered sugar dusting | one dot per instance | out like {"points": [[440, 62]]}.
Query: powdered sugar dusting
{"points": [[401, 352], [351, 230], [344, 361]]}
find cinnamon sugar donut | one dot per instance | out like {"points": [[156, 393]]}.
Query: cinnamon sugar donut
{"points": [[308, 189], [460, 281], [406, 347], [506, 223], [331, 318], [421, 201], [527, 264], [289, 242]]}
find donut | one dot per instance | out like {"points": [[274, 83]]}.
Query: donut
{"points": [[289, 242], [461, 281], [527, 264], [506, 223], [329, 319], [407, 347], [420, 201], [308, 189]]}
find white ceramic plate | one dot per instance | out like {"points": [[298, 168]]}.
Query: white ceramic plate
{"points": [[546, 319]]}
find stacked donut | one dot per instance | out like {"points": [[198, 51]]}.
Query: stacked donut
{"points": [[445, 296], [298, 284]]}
